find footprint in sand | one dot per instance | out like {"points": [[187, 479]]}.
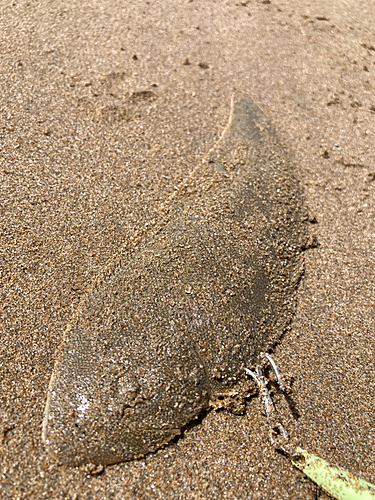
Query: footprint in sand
{"points": [[167, 332]]}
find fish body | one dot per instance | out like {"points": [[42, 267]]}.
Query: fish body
{"points": [[168, 329]]}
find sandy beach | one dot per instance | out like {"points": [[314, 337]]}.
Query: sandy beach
{"points": [[106, 108]]}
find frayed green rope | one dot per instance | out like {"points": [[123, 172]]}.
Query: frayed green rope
{"points": [[338, 483]]}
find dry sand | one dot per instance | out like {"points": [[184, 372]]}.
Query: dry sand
{"points": [[83, 165]]}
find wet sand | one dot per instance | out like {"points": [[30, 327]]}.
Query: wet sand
{"points": [[105, 109]]}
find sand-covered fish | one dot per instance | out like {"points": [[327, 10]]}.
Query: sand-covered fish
{"points": [[168, 329]]}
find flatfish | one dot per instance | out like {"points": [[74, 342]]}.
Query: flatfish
{"points": [[167, 330]]}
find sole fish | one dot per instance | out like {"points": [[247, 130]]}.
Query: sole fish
{"points": [[167, 330]]}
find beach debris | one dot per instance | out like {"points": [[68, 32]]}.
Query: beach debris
{"points": [[262, 383], [273, 364], [263, 389], [337, 482]]}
